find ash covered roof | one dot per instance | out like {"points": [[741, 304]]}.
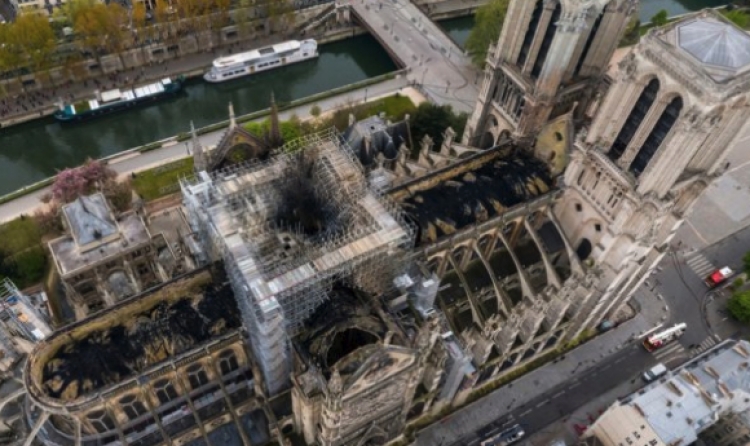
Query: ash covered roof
{"points": [[383, 138], [341, 325], [116, 345], [89, 219], [476, 190]]}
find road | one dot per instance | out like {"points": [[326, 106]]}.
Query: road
{"points": [[436, 62], [680, 282], [624, 366]]}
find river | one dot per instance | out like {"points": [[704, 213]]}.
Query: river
{"points": [[37, 150]]}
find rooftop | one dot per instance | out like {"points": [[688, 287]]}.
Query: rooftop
{"points": [[688, 401], [715, 46], [473, 191], [297, 220], [95, 234], [134, 336]]}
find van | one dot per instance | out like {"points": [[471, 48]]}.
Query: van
{"points": [[655, 372]]}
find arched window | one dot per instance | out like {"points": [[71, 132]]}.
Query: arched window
{"points": [[132, 407], [228, 362], [549, 35], [589, 42], [165, 391], [197, 376], [656, 137], [101, 421], [528, 38], [634, 120]]}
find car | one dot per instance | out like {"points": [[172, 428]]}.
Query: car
{"points": [[508, 436], [719, 276], [654, 373]]}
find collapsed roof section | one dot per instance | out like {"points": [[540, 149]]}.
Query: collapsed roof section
{"points": [[297, 221]]}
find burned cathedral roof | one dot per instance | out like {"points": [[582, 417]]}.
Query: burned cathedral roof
{"points": [[473, 191], [126, 341]]}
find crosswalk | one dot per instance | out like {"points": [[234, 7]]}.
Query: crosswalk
{"points": [[707, 344], [699, 264], [670, 352]]}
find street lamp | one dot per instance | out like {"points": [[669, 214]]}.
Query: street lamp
{"points": [[187, 148], [365, 94]]}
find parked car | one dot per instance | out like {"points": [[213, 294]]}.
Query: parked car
{"points": [[655, 373]]}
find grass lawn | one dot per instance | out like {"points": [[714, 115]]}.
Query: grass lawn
{"points": [[162, 180], [19, 234], [395, 107]]}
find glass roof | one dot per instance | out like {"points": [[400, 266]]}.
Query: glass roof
{"points": [[716, 43]]}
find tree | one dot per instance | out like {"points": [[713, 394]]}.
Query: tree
{"points": [[431, 119], [37, 39], [280, 12], [315, 111], [739, 306], [660, 18], [739, 18], [488, 24], [102, 28], [73, 183]]}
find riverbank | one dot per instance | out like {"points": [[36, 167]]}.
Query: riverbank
{"points": [[190, 66], [27, 200]]}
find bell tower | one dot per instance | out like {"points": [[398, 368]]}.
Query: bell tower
{"points": [[551, 54]]}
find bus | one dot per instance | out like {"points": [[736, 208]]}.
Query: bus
{"points": [[661, 338]]}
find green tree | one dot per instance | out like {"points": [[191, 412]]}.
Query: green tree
{"points": [[746, 263], [315, 111], [739, 306], [739, 18], [37, 39], [487, 26], [660, 18], [431, 119]]}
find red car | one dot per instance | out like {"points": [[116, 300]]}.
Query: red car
{"points": [[719, 276]]}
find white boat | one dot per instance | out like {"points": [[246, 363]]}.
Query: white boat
{"points": [[244, 64]]}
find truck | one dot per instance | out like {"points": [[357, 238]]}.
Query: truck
{"points": [[658, 340], [654, 373]]}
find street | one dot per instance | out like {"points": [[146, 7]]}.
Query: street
{"points": [[625, 365]]}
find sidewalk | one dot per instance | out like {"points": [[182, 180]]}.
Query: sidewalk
{"points": [[521, 391], [28, 204]]}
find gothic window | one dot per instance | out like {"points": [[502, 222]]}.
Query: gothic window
{"points": [[549, 35], [197, 376], [228, 362], [132, 407], [633, 122], [528, 39], [656, 137], [589, 42], [101, 421], [580, 177], [165, 391]]}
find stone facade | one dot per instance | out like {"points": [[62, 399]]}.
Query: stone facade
{"points": [[657, 140], [550, 56], [107, 257]]}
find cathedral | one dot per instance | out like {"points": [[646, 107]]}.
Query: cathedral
{"points": [[350, 284]]}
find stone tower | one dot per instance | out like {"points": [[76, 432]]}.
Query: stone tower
{"points": [[661, 134], [550, 55]]}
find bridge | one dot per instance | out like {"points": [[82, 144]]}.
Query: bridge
{"points": [[435, 62]]}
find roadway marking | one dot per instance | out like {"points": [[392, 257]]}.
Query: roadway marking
{"points": [[619, 360], [524, 413], [558, 394]]}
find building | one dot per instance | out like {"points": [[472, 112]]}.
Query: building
{"points": [[37, 6], [550, 56], [168, 368], [105, 258], [22, 325], [659, 137], [706, 394]]}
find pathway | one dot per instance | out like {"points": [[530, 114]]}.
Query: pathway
{"points": [[435, 61], [133, 162]]}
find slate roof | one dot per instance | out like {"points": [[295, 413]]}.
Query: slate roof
{"points": [[90, 219]]}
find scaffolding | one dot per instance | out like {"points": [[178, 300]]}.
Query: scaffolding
{"points": [[282, 270], [18, 316]]}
